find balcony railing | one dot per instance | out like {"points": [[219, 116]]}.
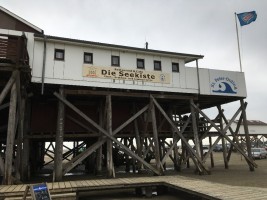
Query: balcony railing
{"points": [[13, 50]]}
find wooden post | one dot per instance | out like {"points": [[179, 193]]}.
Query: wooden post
{"points": [[25, 175], [109, 142], [7, 179], [99, 151], [83, 155], [155, 135], [137, 138], [211, 154], [8, 86], [245, 124], [20, 138], [223, 142], [194, 124], [59, 139]]}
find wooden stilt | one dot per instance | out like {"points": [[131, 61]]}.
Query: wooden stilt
{"points": [[95, 146], [25, 174], [245, 124], [8, 86], [194, 124], [20, 137], [99, 151], [223, 134], [194, 156], [211, 154], [155, 135], [7, 179], [224, 147], [110, 165], [59, 139]]}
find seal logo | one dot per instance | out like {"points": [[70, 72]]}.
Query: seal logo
{"points": [[224, 85], [162, 77]]}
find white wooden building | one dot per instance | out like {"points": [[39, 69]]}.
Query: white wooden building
{"points": [[103, 96]]}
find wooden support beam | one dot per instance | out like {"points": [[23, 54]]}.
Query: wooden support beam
{"points": [[155, 134], [6, 105], [8, 86], [245, 124], [201, 168], [99, 152], [98, 144], [21, 123], [25, 175], [137, 138], [130, 94], [223, 133], [80, 123], [110, 166], [57, 175], [224, 148], [7, 179], [195, 131], [176, 139], [211, 154]]}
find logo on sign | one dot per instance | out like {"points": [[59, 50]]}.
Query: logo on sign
{"points": [[248, 17], [224, 85]]}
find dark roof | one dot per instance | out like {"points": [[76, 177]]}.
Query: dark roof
{"points": [[19, 24], [255, 122], [186, 57]]}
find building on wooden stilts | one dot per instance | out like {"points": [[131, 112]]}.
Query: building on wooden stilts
{"points": [[65, 101]]}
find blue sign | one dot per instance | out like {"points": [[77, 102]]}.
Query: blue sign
{"points": [[40, 192], [224, 85]]}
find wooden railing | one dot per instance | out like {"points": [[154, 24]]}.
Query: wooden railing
{"points": [[13, 49]]}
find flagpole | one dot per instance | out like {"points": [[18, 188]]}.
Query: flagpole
{"points": [[238, 44]]}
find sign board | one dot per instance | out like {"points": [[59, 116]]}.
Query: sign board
{"points": [[125, 74], [40, 192], [223, 83]]}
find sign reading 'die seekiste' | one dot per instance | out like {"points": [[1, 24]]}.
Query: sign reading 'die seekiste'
{"points": [[125, 74]]}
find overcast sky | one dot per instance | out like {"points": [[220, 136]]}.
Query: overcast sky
{"points": [[205, 27]]}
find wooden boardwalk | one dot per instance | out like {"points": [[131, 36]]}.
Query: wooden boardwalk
{"points": [[205, 189]]}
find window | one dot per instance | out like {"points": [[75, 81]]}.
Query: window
{"points": [[59, 54], [115, 61], [88, 58], [157, 65], [175, 67], [140, 63]]}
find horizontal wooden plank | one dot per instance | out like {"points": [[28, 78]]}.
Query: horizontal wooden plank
{"points": [[193, 186]]}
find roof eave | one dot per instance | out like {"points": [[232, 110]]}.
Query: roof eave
{"points": [[187, 57]]}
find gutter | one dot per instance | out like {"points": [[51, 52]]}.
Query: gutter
{"points": [[44, 62]]}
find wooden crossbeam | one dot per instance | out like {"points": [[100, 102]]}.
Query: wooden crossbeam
{"points": [[194, 157], [175, 141], [8, 86], [126, 94], [111, 137], [223, 132], [10, 136]]}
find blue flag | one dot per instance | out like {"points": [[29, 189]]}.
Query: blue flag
{"points": [[247, 17]]}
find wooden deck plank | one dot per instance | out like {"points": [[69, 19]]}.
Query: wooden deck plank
{"points": [[50, 186], [5, 188], [67, 184], [84, 184], [215, 190], [11, 188], [55, 185], [79, 184], [62, 185], [73, 184], [18, 188]]}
